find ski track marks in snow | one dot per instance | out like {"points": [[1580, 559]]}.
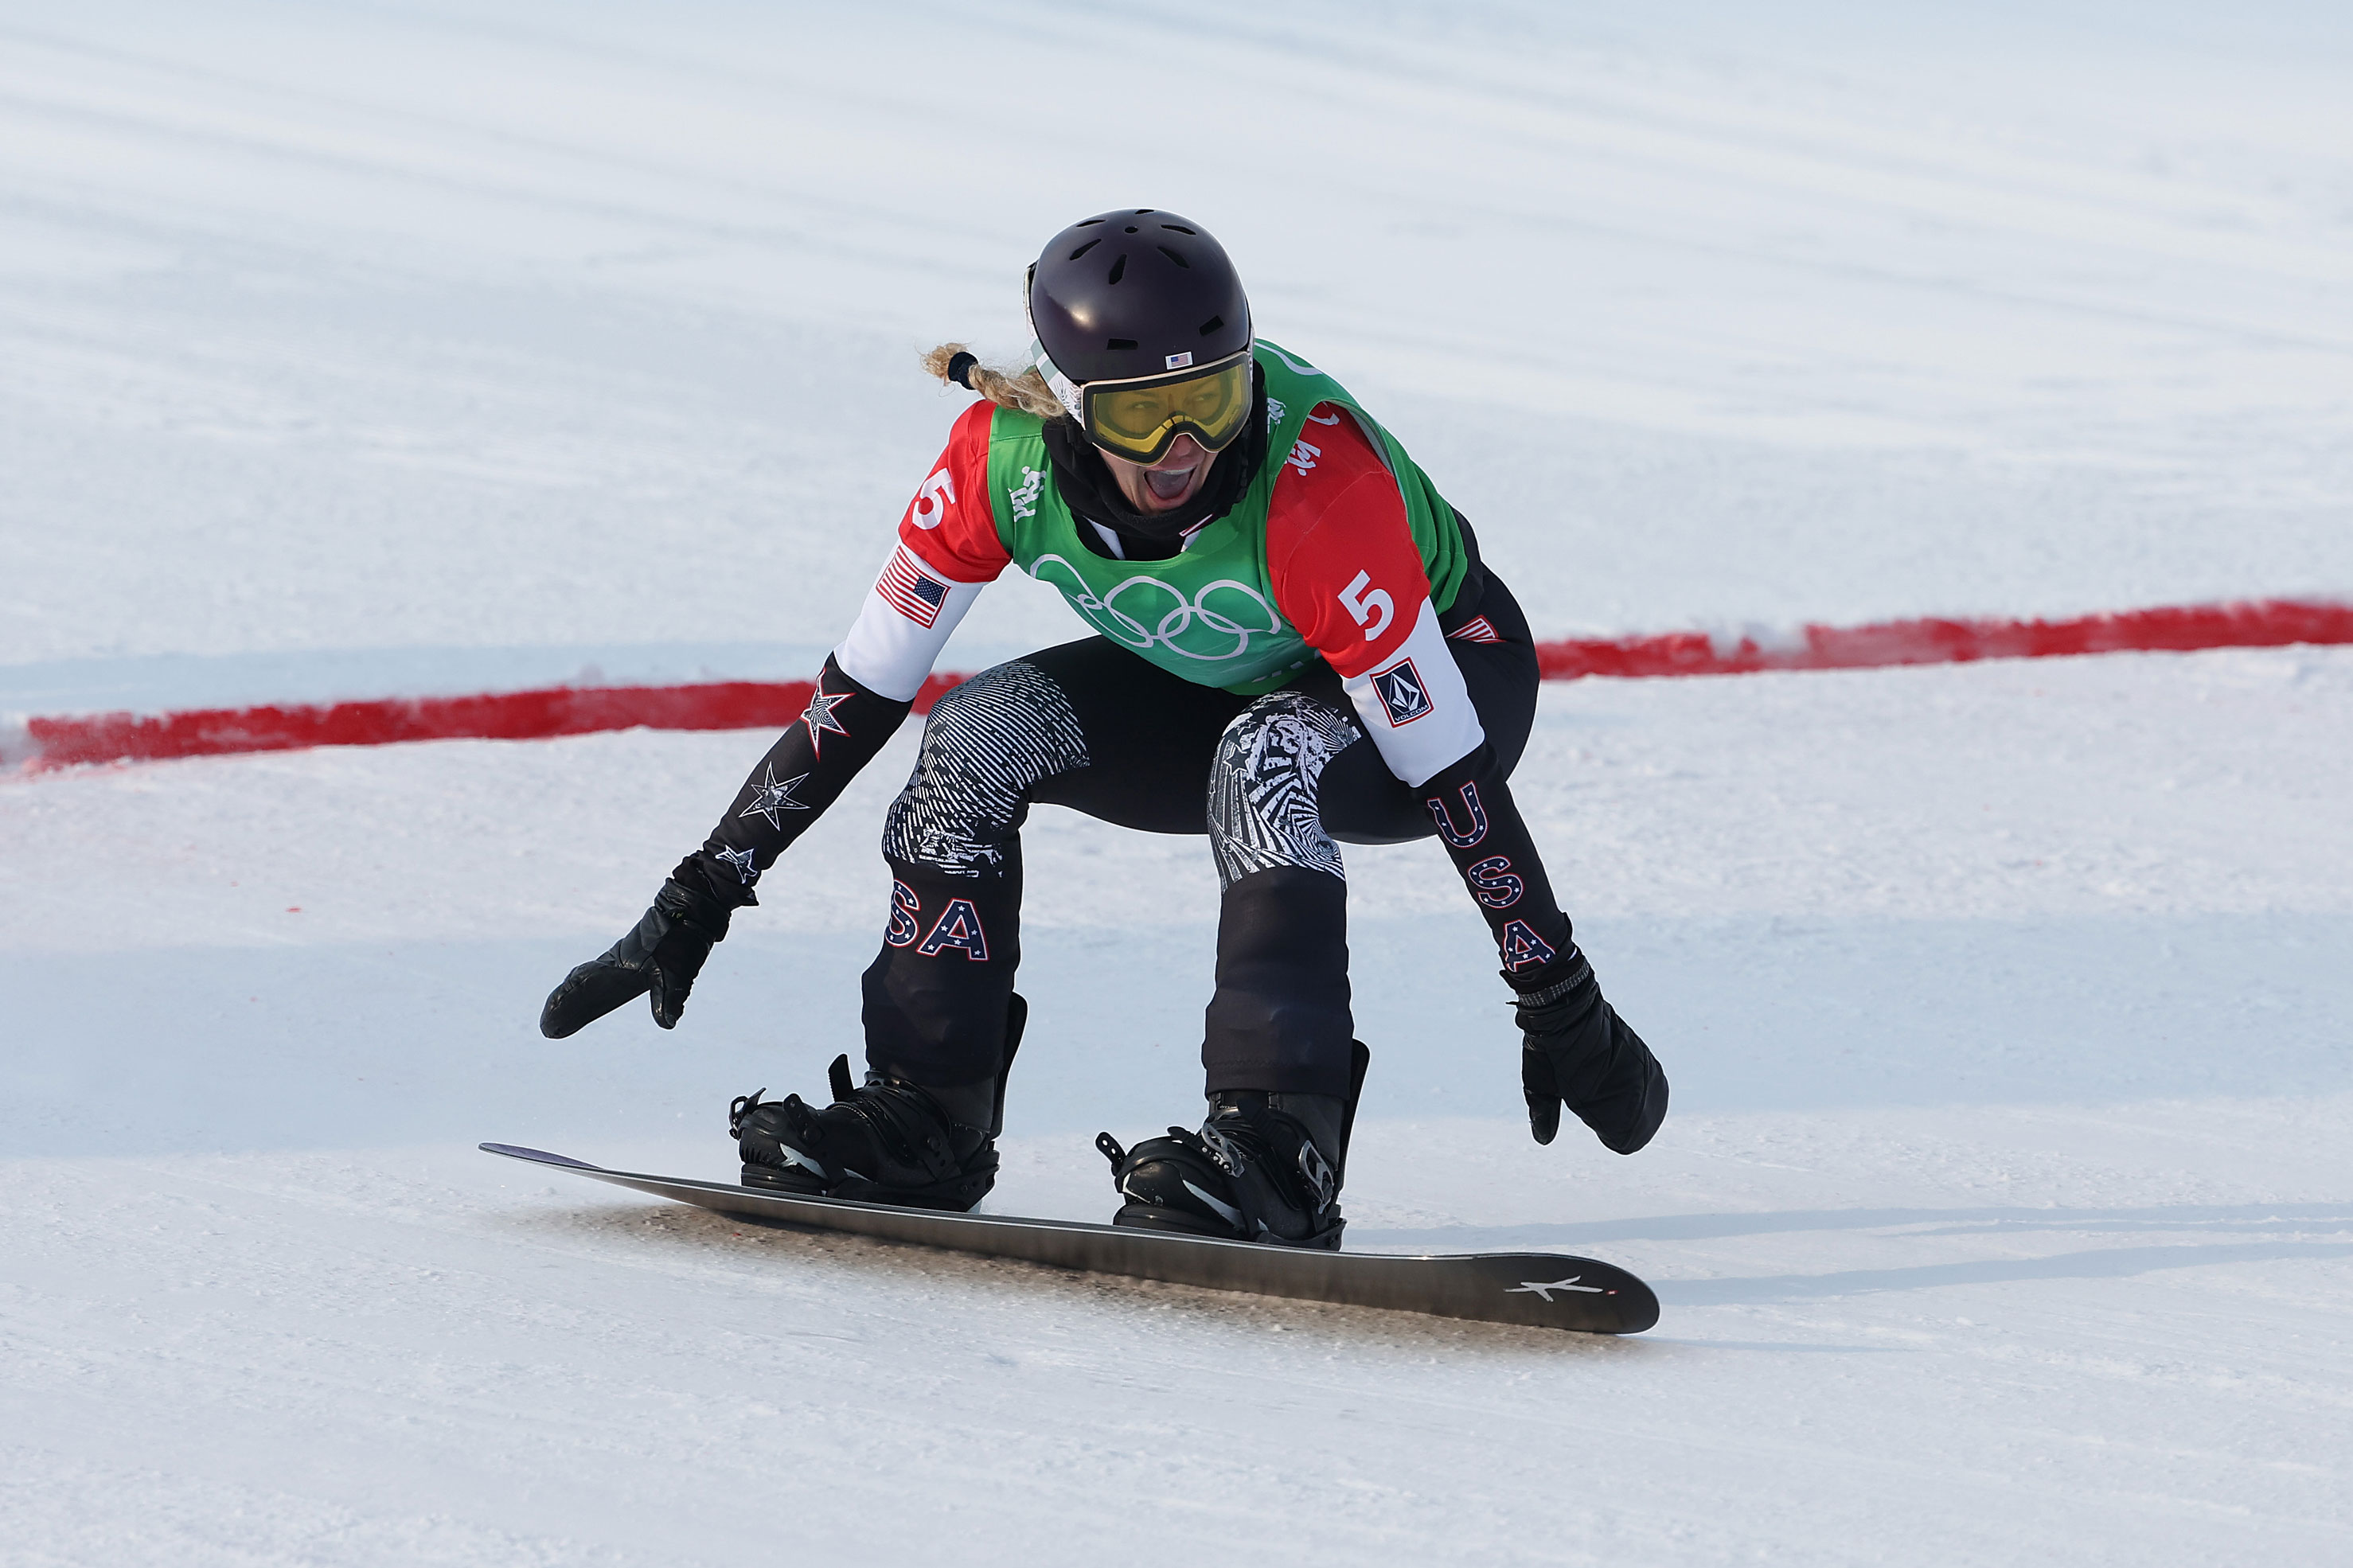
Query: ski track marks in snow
{"points": [[404, 347], [2003, 1206]]}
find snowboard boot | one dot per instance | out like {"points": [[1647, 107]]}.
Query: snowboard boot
{"points": [[1265, 1167], [886, 1140]]}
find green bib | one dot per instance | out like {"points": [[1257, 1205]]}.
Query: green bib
{"points": [[1209, 613]]}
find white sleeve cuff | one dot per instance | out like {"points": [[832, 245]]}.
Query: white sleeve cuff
{"points": [[1415, 705]]}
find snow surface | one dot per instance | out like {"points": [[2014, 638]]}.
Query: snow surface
{"points": [[2005, 1212]]}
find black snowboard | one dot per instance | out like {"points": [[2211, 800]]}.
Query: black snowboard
{"points": [[1541, 1289]]}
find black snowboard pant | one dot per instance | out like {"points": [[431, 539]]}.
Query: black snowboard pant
{"points": [[1272, 780]]}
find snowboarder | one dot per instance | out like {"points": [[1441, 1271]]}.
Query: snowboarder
{"points": [[1296, 644]]}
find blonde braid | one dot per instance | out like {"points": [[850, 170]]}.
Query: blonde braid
{"points": [[1025, 393]]}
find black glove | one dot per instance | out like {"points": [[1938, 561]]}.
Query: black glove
{"points": [[1576, 1050], [662, 953]]}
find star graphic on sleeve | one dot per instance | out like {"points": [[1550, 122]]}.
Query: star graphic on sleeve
{"points": [[772, 800], [818, 716], [742, 860]]}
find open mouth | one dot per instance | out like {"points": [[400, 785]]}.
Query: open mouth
{"points": [[1170, 484]]}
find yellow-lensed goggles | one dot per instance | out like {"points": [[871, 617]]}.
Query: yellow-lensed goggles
{"points": [[1140, 419]]}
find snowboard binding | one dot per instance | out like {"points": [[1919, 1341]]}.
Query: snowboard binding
{"points": [[1257, 1170], [886, 1140]]}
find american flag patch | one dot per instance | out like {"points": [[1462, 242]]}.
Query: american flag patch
{"points": [[1476, 629], [910, 592]]}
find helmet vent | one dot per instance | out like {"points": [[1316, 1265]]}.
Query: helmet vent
{"points": [[1108, 289]]}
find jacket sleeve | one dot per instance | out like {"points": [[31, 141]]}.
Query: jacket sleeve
{"points": [[1485, 837], [845, 724], [946, 550], [1352, 581], [1349, 575]]}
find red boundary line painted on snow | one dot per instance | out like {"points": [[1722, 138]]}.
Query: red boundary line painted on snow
{"points": [[495, 716], [771, 705], [2173, 629]]}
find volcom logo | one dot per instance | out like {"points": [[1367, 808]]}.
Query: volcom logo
{"points": [[1024, 496], [1404, 698], [1216, 625], [1530, 1287]]}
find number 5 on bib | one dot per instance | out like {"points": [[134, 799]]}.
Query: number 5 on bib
{"points": [[1363, 607]]}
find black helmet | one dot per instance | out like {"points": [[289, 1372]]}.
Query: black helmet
{"points": [[1130, 293], [1147, 300]]}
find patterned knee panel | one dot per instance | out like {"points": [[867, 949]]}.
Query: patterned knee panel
{"points": [[986, 744], [1263, 811]]}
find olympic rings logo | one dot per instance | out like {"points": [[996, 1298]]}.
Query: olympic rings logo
{"points": [[1192, 628]]}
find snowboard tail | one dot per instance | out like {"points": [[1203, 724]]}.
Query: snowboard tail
{"points": [[1538, 1289]]}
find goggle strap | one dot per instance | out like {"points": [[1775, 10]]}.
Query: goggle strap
{"points": [[1065, 390]]}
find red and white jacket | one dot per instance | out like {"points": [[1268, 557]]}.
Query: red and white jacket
{"points": [[1340, 553]]}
